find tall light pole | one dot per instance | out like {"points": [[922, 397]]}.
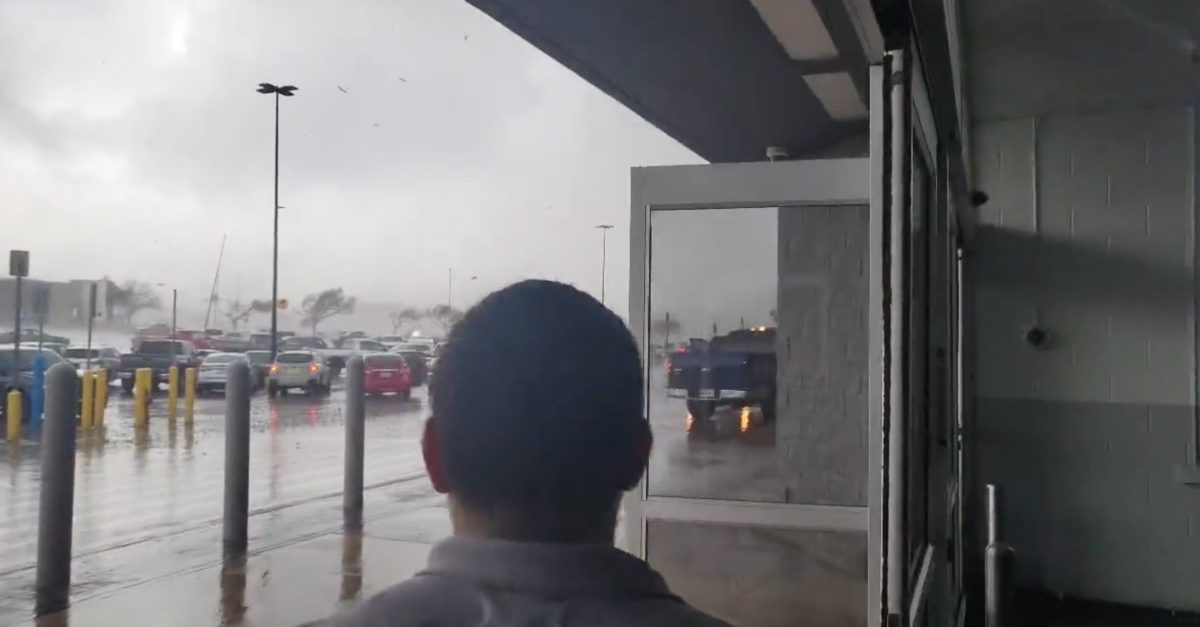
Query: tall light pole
{"points": [[603, 258], [174, 318], [286, 90]]}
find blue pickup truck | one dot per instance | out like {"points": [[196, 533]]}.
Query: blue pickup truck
{"points": [[732, 370]]}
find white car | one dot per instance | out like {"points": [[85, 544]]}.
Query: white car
{"points": [[392, 341], [213, 374], [362, 346], [98, 357], [300, 370]]}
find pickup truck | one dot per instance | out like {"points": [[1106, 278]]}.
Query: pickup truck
{"points": [[732, 370], [158, 356]]}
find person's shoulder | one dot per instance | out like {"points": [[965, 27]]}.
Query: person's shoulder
{"points": [[423, 600], [667, 612]]}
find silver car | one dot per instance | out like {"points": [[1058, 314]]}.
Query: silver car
{"points": [[214, 372], [300, 370]]}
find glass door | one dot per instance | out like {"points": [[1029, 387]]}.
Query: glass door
{"points": [[757, 291]]}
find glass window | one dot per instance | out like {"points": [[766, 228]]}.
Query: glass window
{"points": [[27, 358], [757, 338], [761, 576], [304, 342], [224, 358], [259, 357], [383, 360], [295, 358]]}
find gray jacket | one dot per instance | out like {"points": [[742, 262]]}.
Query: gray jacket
{"points": [[491, 583]]}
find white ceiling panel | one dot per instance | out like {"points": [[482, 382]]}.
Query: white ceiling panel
{"points": [[838, 95], [798, 27]]}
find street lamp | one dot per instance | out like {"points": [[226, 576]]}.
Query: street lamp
{"points": [[174, 317], [286, 90], [603, 257]]}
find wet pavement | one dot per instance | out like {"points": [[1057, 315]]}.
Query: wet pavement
{"points": [[148, 502], [147, 534]]}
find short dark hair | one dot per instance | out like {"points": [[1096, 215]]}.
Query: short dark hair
{"points": [[537, 403]]}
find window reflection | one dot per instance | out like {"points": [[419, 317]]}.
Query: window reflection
{"points": [[757, 339], [762, 577]]}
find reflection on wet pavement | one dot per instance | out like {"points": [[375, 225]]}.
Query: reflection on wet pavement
{"points": [[289, 585], [136, 489]]}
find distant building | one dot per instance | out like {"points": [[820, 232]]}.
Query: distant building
{"points": [[66, 301]]}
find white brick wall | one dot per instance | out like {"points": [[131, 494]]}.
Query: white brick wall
{"points": [[1090, 233]]}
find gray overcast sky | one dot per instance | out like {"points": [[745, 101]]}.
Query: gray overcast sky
{"points": [[131, 139]]}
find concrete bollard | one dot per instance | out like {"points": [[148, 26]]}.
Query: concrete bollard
{"points": [[189, 394], [56, 506], [172, 392], [142, 380], [352, 480], [87, 406], [101, 397], [237, 459], [14, 411]]}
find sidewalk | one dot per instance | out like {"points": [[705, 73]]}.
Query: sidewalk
{"points": [[285, 585]]}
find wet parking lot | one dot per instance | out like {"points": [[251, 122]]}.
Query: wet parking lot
{"points": [[148, 502], [138, 489]]}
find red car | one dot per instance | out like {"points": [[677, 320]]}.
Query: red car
{"points": [[387, 373]]}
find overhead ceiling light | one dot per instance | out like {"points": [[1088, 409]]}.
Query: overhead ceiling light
{"points": [[838, 95], [798, 27]]}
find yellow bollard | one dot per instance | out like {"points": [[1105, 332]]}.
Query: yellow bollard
{"points": [[172, 391], [141, 397], [189, 393], [15, 411], [87, 405], [101, 400]]}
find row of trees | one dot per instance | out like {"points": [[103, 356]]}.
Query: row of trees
{"points": [[314, 309], [444, 315], [133, 297]]}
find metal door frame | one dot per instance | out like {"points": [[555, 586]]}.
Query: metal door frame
{"points": [[826, 182]]}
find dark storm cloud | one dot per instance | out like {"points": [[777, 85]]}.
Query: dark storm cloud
{"points": [[450, 142]]}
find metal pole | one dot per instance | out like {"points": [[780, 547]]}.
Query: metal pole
{"points": [[174, 309], [237, 459], [57, 502], [894, 479], [352, 482], [91, 321], [275, 245], [17, 336], [603, 263], [603, 258], [998, 565], [450, 288]]}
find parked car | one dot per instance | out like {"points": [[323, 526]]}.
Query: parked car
{"points": [[300, 370], [418, 357], [200, 339], [335, 357], [260, 364], [392, 341], [364, 345], [387, 373], [213, 374], [105, 357], [158, 356], [21, 376]]}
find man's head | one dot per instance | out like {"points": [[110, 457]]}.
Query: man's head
{"points": [[537, 422]]}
